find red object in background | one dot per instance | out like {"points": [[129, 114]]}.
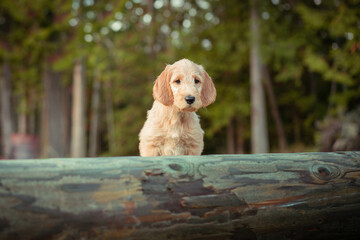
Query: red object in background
{"points": [[24, 146]]}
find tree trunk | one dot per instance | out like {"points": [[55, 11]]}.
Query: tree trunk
{"points": [[110, 118], [22, 125], [259, 132], [78, 136], [53, 125], [67, 101], [231, 137], [261, 196], [6, 122], [94, 119], [240, 141], [297, 127], [32, 122], [274, 111], [333, 91], [153, 29]]}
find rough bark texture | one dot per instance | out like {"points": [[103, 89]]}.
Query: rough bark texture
{"points": [[259, 131], [6, 123], [264, 196]]}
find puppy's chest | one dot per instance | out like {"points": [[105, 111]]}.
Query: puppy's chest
{"points": [[182, 132], [177, 132]]}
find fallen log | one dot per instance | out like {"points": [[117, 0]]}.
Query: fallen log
{"points": [[262, 196]]}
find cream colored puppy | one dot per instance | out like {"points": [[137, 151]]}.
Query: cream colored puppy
{"points": [[172, 126]]}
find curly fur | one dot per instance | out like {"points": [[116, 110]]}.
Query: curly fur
{"points": [[172, 126]]}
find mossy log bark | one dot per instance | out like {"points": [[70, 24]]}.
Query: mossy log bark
{"points": [[262, 196]]}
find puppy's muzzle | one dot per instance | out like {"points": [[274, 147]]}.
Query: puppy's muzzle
{"points": [[190, 99]]}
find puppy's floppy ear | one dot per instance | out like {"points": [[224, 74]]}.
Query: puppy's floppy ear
{"points": [[208, 92], [162, 90]]}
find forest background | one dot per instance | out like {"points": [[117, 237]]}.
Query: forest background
{"points": [[77, 75]]}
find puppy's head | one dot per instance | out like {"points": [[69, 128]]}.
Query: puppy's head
{"points": [[185, 85]]}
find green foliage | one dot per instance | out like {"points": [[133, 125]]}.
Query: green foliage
{"points": [[319, 64], [312, 18]]}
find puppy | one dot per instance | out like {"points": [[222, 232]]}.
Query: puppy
{"points": [[172, 126]]}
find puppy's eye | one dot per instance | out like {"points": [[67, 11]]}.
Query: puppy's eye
{"points": [[177, 81], [196, 81]]}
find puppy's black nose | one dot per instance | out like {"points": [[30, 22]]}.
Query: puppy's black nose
{"points": [[190, 99]]}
